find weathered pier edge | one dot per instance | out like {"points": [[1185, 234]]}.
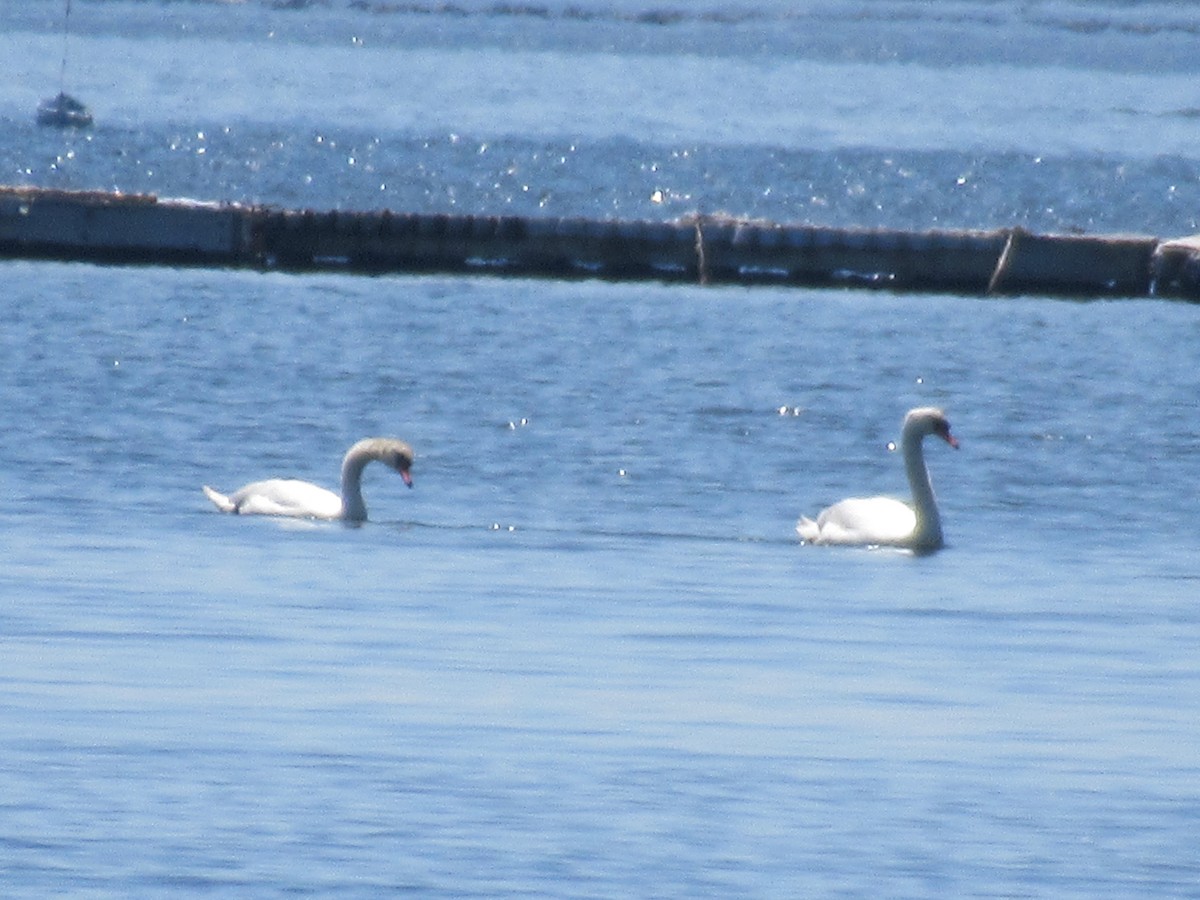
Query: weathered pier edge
{"points": [[144, 229]]}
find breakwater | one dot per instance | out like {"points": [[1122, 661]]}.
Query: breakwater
{"points": [[144, 229]]}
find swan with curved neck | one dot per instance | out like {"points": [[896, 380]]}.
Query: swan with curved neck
{"points": [[290, 497], [882, 521]]}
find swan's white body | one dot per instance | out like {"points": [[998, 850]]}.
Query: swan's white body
{"points": [[290, 497], [882, 521]]}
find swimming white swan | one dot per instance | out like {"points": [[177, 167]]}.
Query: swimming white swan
{"points": [[882, 521], [289, 497]]}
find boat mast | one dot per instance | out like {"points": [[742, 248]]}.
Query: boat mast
{"points": [[62, 72]]}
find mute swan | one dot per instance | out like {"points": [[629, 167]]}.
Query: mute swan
{"points": [[289, 497], [882, 520]]}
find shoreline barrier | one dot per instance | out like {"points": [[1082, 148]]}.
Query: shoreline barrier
{"points": [[101, 227]]}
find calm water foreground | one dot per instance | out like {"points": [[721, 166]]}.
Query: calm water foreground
{"points": [[586, 655]]}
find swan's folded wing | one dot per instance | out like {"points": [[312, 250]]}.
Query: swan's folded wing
{"points": [[287, 497], [865, 520]]}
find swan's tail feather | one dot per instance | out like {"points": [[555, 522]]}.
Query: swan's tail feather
{"points": [[220, 501], [808, 529]]}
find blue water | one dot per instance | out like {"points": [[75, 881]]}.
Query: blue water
{"points": [[586, 655]]}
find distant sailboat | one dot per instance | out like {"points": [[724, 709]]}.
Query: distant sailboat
{"points": [[64, 111]]}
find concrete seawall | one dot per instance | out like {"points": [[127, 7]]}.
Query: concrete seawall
{"points": [[142, 229]]}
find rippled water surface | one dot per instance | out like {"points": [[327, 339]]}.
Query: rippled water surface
{"points": [[586, 655]]}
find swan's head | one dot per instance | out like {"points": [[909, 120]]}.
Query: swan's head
{"points": [[929, 420], [399, 456], [393, 453]]}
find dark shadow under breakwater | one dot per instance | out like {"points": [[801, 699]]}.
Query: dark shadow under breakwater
{"points": [[143, 229]]}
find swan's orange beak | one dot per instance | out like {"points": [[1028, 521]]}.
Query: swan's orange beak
{"points": [[951, 440], [407, 478]]}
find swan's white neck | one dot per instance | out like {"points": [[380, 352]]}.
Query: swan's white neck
{"points": [[395, 454], [928, 532], [353, 507]]}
